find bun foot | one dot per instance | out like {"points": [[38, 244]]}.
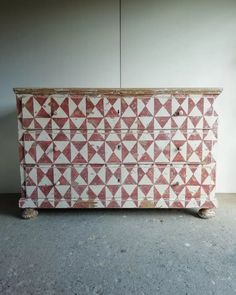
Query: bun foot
{"points": [[29, 213], [206, 213]]}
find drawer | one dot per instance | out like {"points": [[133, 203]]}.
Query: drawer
{"points": [[111, 112], [127, 147], [71, 112], [193, 146], [71, 147], [66, 147], [118, 185]]}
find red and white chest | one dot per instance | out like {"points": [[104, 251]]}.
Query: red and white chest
{"points": [[117, 148]]}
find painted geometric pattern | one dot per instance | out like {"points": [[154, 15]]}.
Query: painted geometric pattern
{"points": [[74, 147], [119, 186], [86, 151], [116, 112]]}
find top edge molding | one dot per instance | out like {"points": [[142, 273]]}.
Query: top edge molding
{"points": [[115, 91]]}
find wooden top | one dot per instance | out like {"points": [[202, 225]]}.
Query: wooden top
{"points": [[120, 91]]}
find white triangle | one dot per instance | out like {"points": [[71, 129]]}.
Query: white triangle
{"points": [[195, 112], [163, 112], [129, 188], [194, 158], [162, 203], [26, 114], [129, 203], [77, 121], [192, 204], [62, 204], [62, 189], [178, 135]]}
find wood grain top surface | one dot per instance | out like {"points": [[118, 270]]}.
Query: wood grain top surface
{"points": [[117, 91]]}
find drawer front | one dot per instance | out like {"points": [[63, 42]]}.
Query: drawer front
{"points": [[75, 147], [193, 146], [114, 112], [68, 147], [71, 112], [120, 185]]}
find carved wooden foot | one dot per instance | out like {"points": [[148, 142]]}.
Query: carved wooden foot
{"points": [[29, 213], [206, 213]]}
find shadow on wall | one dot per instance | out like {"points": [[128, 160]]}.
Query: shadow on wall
{"points": [[9, 173]]}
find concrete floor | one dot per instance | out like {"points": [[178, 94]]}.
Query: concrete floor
{"points": [[118, 251]]}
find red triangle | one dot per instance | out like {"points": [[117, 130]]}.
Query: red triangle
{"points": [[146, 158], [78, 113], [46, 189], [42, 100], [108, 126], [63, 180], [113, 204], [44, 159], [113, 159], [145, 113], [129, 121], [44, 145], [27, 122], [42, 113], [96, 136], [61, 136], [145, 189], [195, 120], [205, 124], [168, 106], [29, 105], [113, 189], [46, 204], [191, 105], [193, 181], [200, 105], [65, 106], [162, 121], [177, 204], [161, 180], [95, 122], [83, 126], [60, 122], [33, 195], [32, 153], [129, 179], [97, 180]]}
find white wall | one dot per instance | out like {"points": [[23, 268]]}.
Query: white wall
{"points": [[53, 43], [76, 43], [186, 43]]}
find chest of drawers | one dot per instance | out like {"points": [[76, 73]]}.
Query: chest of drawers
{"points": [[117, 148]]}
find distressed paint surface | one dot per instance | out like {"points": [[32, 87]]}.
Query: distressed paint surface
{"points": [[115, 148]]}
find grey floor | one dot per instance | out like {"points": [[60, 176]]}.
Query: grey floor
{"points": [[118, 251]]}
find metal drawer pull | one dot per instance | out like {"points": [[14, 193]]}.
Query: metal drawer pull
{"points": [[175, 184], [55, 149], [179, 113], [58, 183], [178, 148], [119, 146]]}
